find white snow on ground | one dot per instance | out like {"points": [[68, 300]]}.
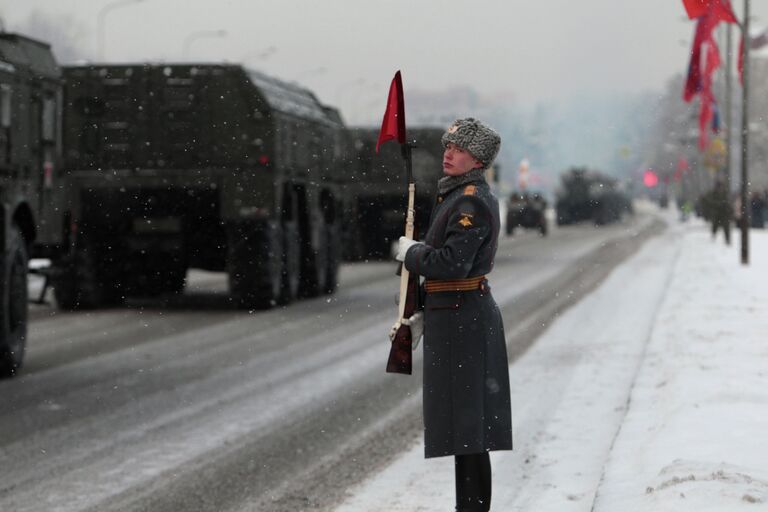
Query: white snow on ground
{"points": [[650, 394], [696, 435]]}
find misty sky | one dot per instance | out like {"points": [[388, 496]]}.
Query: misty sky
{"points": [[347, 50]]}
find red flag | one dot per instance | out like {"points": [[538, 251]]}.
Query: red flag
{"points": [[710, 13], [704, 28], [707, 96], [720, 8], [393, 125]]}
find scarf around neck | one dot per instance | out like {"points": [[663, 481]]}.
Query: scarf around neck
{"points": [[448, 183]]}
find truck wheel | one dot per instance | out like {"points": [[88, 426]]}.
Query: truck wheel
{"points": [[13, 305], [314, 264], [333, 259], [291, 267], [88, 280], [291, 253], [354, 247], [254, 260]]}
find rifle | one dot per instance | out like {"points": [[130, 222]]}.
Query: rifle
{"points": [[400, 353]]}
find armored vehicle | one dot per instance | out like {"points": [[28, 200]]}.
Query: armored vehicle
{"points": [[209, 166], [589, 196], [375, 197], [526, 210], [30, 151]]}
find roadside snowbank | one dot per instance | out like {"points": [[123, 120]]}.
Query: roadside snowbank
{"points": [[696, 435]]}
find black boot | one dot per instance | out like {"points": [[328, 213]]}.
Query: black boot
{"points": [[473, 482]]}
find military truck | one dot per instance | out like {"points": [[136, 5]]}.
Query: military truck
{"points": [[210, 166], [375, 197], [30, 151], [526, 210], [586, 195]]}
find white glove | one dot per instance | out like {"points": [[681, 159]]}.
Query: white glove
{"points": [[417, 327], [416, 323], [403, 245]]}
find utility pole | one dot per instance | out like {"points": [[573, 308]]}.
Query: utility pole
{"points": [[745, 209], [728, 104]]}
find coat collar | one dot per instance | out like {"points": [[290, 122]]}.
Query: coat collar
{"points": [[448, 183]]}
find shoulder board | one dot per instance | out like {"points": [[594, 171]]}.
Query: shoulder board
{"points": [[470, 190]]}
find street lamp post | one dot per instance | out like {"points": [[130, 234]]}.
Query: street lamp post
{"points": [[100, 21], [200, 35], [728, 106]]}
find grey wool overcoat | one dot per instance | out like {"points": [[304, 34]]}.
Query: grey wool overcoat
{"points": [[466, 381]]}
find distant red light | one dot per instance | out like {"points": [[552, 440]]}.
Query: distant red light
{"points": [[650, 179], [263, 159]]}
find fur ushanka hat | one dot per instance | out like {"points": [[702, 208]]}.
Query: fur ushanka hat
{"points": [[480, 140]]}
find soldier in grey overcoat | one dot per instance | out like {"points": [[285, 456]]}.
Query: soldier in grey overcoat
{"points": [[467, 410]]}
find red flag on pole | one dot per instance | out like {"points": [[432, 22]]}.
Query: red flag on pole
{"points": [[693, 80], [709, 14], [393, 125], [704, 28], [720, 8]]}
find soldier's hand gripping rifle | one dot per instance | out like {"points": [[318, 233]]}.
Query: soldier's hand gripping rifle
{"points": [[393, 128]]}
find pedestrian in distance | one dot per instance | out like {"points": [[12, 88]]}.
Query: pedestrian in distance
{"points": [[757, 204], [720, 210], [467, 411]]}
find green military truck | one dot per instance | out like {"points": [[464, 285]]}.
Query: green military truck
{"points": [[210, 166], [376, 194], [586, 195], [30, 151]]}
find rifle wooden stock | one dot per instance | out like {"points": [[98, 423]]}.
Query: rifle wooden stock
{"points": [[400, 353]]}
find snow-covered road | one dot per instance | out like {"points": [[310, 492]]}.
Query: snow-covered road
{"points": [[187, 404]]}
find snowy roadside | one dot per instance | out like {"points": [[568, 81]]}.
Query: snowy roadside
{"points": [[695, 435], [678, 327]]}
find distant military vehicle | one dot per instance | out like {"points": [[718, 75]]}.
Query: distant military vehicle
{"points": [[589, 196], [30, 151], [375, 197], [197, 165], [526, 210]]}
